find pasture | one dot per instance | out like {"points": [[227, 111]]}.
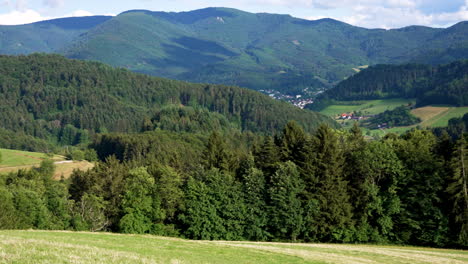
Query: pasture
{"points": [[14, 160], [82, 247]]}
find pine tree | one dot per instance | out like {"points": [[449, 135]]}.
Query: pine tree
{"points": [[334, 220], [254, 192], [215, 154], [285, 210], [267, 156]]}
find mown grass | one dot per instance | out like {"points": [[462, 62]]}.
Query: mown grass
{"points": [[452, 113], [81, 247], [12, 158]]}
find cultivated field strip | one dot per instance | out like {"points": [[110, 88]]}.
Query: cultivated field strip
{"points": [[83, 247]]}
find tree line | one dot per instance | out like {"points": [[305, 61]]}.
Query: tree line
{"points": [[325, 186]]}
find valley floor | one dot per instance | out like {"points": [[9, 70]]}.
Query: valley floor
{"points": [[81, 247]]}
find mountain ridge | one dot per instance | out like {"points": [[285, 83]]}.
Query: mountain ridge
{"points": [[260, 51]]}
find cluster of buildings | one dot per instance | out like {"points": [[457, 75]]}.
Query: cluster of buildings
{"points": [[297, 100]]}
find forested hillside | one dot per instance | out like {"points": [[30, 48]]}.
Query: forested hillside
{"points": [[65, 101], [232, 47], [328, 186], [444, 84]]}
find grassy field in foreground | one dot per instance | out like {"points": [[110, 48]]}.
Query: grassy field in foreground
{"points": [[72, 247], [14, 160]]}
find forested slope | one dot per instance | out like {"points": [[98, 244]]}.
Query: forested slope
{"points": [[54, 98], [443, 84]]}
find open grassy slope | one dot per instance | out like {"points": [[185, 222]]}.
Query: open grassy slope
{"points": [[70, 247], [14, 160]]}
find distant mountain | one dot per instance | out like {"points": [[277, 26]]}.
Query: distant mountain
{"points": [[45, 36], [443, 84], [58, 99], [229, 46]]}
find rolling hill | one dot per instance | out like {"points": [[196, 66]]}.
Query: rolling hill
{"points": [[233, 47], [65, 101]]}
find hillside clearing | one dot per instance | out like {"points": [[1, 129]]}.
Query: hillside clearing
{"points": [[14, 160], [370, 107], [81, 247]]}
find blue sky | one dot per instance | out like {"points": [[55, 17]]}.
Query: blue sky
{"points": [[365, 13]]}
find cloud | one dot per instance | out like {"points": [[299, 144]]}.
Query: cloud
{"points": [[53, 3], [30, 16], [389, 13], [21, 17], [402, 13]]}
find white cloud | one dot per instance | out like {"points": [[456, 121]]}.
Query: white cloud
{"points": [[53, 3], [79, 13], [30, 16], [21, 17], [403, 14]]}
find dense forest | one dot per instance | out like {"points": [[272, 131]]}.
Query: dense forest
{"points": [[443, 84], [328, 186], [50, 100]]}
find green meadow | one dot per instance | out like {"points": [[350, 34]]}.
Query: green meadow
{"points": [[82, 247], [370, 107], [13, 158]]}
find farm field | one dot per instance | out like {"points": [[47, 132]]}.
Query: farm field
{"points": [[81, 247], [431, 116], [14, 160], [370, 107], [443, 117]]}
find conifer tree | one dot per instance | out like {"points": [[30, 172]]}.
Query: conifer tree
{"points": [[334, 219], [254, 192], [285, 210], [267, 156], [215, 154]]}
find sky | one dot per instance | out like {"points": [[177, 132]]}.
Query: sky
{"points": [[364, 13]]}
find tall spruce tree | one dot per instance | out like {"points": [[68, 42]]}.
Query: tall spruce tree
{"points": [[334, 220], [285, 210], [254, 192], [267, 156], [215, 154]]}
